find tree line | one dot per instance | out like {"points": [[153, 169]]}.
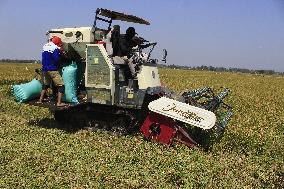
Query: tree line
{"points": [[173, 66], [222, 69], [19, 61]]}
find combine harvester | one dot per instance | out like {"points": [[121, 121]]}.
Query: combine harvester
{"points": [[111, 100]]}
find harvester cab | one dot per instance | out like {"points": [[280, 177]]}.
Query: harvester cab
{"points": [[124, 94], [108, 79]]}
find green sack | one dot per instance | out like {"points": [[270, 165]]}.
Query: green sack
{"points": [[27, 91], [69, 74]]}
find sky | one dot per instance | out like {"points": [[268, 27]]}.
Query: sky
{"points": [[221, 33]]}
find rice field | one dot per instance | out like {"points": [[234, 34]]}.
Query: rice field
{"points": [[36, 153]]}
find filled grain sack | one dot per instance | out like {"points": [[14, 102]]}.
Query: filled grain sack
{"points": [[69, 76], [27, 91]]}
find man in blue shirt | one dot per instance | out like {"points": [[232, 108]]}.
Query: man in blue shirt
{"points": [[50, 60]]}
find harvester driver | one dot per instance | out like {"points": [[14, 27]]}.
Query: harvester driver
{"points": [[127, 42], [122, 51], [50, 66]]}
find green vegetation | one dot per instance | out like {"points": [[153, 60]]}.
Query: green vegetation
{"points": [[35, 153], [222, 69]]}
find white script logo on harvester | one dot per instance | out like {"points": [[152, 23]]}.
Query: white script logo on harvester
{"points": [[186, 114]]}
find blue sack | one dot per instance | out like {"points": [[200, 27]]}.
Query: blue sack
{"points": [[69, 74], [27, 91]]}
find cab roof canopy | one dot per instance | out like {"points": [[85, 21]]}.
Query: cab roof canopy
{"points": [[113, 15]]}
